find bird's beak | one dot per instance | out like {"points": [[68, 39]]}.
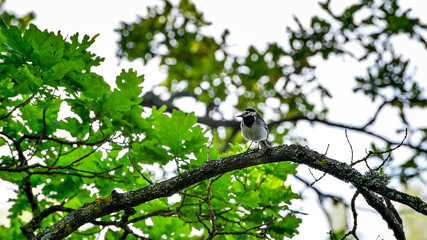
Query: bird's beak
{"points": [[240, 115]]}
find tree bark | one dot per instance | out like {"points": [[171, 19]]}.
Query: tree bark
{"points": [[293, 153]]}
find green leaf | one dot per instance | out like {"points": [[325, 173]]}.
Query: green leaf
{"points": [[14, 42], [285, 227], [116, 103], [74, 127], [64, 187], [172, 228], [94, 86], [2, 141], [13, 177], [183, 138], [25, 76], [129, 83], [62, 68]]}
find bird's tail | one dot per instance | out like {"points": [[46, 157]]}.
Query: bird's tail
{"points": [[264, 144]]}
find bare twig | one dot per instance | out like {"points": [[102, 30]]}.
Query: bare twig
{"points": [[198, 214], [259, 184], [18, 106], [207, 149], [376, 114], [349, 143], [65, 142], [208, 202], [35, 208], [91, 174], [321, 197], [177, 165], [321, 194], [327, 149], [229, 139], [354, 212], [369, 154], [315, 179], [137, 169], [262, 235], [324, 174]]}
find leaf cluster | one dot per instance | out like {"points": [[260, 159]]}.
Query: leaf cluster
{"points": [[68, 137], [280, 81]]}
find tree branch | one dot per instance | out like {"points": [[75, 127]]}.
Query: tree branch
{"points": [[65, 142], [293, 153], [35, 223], [347, 126], [321, 197], [354, 212], [20, 105], [35, 208], [152, 100], [393, 222]]}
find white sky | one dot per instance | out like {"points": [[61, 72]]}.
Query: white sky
{"points": [[250, 23]]}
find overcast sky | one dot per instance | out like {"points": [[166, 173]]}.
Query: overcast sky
{"points": [[250, 23]]}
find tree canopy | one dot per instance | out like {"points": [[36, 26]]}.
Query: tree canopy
{"points": [[87, 156]]}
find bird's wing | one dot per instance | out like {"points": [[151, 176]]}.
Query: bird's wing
{"points": [[266, 128]]}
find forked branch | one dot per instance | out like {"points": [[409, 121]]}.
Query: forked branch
{"points": [[293, 153]]}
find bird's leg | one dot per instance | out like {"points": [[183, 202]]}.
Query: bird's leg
{"points": [[249, 146]]}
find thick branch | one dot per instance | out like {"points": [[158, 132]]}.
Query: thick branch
{"points": [[388, 213], [35, 223], [27, 188], [294, 153]]}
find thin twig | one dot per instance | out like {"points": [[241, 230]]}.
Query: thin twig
{"points": [[248, 231], [315, 179], [370, 153], [207, 149], [208, 202], [324, 174], [177, 165], [326, 151], [198, 214], [229, 139], [65, 142], [376, 114], [18, 106], [354, 212], [136, 168], [349, 143], [350, 127]]}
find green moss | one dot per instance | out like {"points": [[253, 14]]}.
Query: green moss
{"points": [[324, 162], [100, 203]]}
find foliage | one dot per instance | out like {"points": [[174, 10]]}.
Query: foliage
{"points": [[281, 81], [71, 138], [11, 18]]}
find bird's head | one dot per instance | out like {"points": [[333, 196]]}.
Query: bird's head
{"points": [[248, 112]]}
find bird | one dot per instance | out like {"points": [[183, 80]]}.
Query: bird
{"points": [[254, 128]]}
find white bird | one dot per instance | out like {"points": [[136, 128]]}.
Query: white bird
{"points": [[254, 128]]}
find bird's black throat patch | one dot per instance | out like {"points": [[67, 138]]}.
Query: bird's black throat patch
{"points": [[249, 121]]}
